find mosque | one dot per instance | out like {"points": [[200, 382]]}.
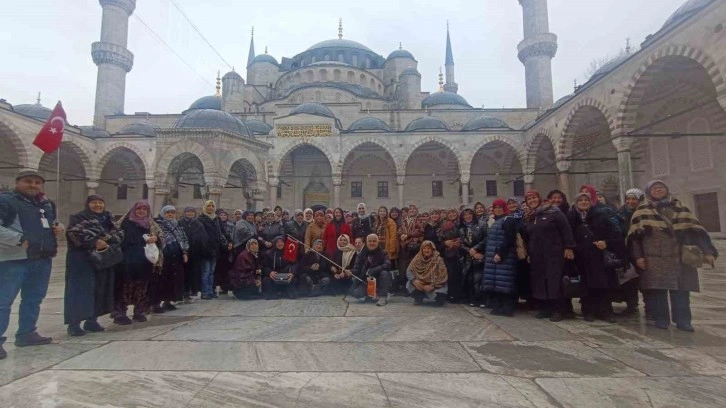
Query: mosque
{"points": [[338, 123]]}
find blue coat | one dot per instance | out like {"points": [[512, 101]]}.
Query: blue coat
{"points": [[501, 240]]}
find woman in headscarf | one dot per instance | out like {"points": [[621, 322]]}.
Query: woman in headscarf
{"points": [[246, 275], [432, 223], [427, 276], [662, 231], [550, 244], [197, 237], [244, 230], [480, 211], [452, 251], [524, 290], [89, 293], [345, 256], [315, 230], [395, 215], [386, 230], [309, 215], [333, 230], [269, 230], [594, 234], [473, 235], [500, 261], [274, 268], [410, 236], [225, 259], [238, 215], [314, 271], [135, 272], [558, 199], [169, 286], [216, 241]]}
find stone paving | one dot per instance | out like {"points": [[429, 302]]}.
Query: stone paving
{"points": [[328, 352]]}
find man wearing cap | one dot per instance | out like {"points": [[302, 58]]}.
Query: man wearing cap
{"points": [[28, 232]]}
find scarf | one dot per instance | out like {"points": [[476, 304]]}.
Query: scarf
{"points": [[348, 252], [256, 254], [663, 202], [430, 270], [103, 217], [173, 233], [213, 215], [143, 222], [673, 217], [308, 213], [166, 209]]}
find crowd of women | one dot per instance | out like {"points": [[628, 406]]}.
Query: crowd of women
{"points": [[542, 251]]}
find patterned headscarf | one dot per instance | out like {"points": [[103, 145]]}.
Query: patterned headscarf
{"points": [[140, 221]]}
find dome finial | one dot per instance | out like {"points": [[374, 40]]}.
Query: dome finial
{"points": [[38, 100], [265, 49], [441, 79], [627, 46], [340, 28], [400, 45], [575, 81], [219, 80]]}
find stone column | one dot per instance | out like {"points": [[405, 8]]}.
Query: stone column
{"points": [[625, 172], [528, 182], [273, 182], [563, 175], [160, 195], [400, 182], [337, 182], [91, 187], [214, 192], [465, 179]]}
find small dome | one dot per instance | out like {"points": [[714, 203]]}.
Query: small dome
{"points": [[312, 108], [426, 123], [410, 71], [143, 129], [339, 43], [257, 126], [34, 110], [688, 9], [265, 58], [212, 119], [400, 54], [93, 132], [231, 75], [444, 98], [368, 124], [608, 67], [485, 122], [207, 102], [562, 101]]}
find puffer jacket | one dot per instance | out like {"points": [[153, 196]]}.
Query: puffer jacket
{"points": [[501, 277]]}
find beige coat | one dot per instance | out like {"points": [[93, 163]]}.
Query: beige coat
{"points": [[663, 262]]}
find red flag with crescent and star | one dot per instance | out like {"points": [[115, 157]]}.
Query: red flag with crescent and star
{"points": [[51, 134], [290, 251]]}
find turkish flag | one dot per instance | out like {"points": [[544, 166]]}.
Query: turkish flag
{"points": [[290, 251], [51, 134]]}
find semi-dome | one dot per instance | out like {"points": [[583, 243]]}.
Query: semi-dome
{"points": [[231, 75], [562, 101], [33, 110], [212, 119], [312, 108], [426, 123], [369, 124], [444, 98], [688, 9], [485, 122], [339, 43], [93, 132], [143, 129], [207, 102], [400, 54], [410, 71], [608, 67], [257, 126], [265, 58]]}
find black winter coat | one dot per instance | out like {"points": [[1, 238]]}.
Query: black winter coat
{"points": [[589, 260], [268, 232], [215, 238], [197, 236], [548, 235]]}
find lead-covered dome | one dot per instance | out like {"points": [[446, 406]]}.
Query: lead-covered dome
{"points": [[212, 119], [562, 101], [93, 132], [312, 108], [143, 129], [265, 58], [33, 110], [445, 99], [688, 9], [485, 122], [207, 102], [257, 126], [609, 67], [231, 75], [426, 123], [400, 54], [369, 124], [339, 43]]}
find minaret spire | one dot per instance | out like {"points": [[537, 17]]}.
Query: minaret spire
{"points": [[451, 85], [251, 55]]}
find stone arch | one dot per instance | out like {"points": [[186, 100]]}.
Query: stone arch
{"points": [[190, 147], [638, 84], [380, 143], [286, 150], [233, 156], [532, 149], [107, 153], [323, 75], [490, 139], [403, 161], [575, 118], [12, 133], [83, 153]]}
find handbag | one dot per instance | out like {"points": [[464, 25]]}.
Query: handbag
{"points": [[571, 286], [626, 274], [521, 248], [413, 246], [611, 260], [692, 255], [283, 278], [106, 258]]}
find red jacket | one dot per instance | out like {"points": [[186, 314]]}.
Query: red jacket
{"points": [[330, 237]]}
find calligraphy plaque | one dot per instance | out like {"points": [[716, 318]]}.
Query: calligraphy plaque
{"points": [[304, 130]]}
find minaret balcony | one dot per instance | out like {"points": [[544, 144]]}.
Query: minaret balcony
{"points": [[544, 44], [108, 53]]}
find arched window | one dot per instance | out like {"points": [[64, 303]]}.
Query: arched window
{"points": [[326, 57], [313, 59], [373, 83], [337, 75], [355, 60], [323, 75], [309, 76], [351, 77], [341, 57], [368, 62], [362, 79]]}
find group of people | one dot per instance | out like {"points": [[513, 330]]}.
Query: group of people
{"points": [[541, 250]]}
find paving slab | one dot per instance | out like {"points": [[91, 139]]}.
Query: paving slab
{"points": [[670, 362], [547, 359], [225, 306], [692, 392], [268, 390], [57, 388], [706, 335], [24, 361], [529, 329]]}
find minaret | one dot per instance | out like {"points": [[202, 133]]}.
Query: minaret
{"points": [[451, 85], [536, 52], [251, 55], [114, 61]]}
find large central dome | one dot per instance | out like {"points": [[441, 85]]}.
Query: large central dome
{"points": [[339, 43]]}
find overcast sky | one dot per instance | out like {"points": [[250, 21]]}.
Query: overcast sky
{"points": [[45, 44]]}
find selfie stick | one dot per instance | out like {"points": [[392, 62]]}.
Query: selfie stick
{"points": [[324, 257]]}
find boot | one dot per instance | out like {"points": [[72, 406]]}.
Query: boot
{"points": [[74, 330], [92, 326], [31, 339], [122, 320], [168, 306], [140, 318], [3, 353]]}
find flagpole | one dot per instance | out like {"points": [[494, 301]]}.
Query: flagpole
{"points": [[57, 178], [323, 256]]}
